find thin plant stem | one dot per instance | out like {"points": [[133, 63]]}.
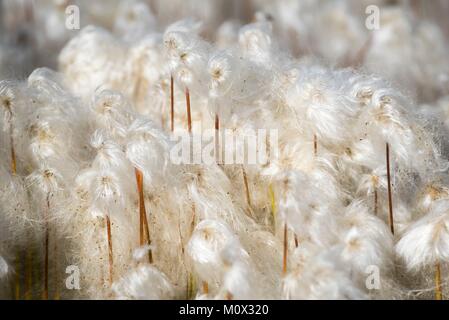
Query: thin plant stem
{"points": [[438, 290], [217, 139], [29, 274], [205, 287], [147, 235], [245, 182], [14, 172], [102, 279], [111, 255], [139, 181], [17, 277], [192, 223], [143, 222], [191, 286], [284, 259], [189, 115], [390, 201], [273, 204], [11, 139], [13, 153]]}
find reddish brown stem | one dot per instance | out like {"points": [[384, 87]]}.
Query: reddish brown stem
{"points": [[284, 260], [13, 158], [17, 277], [217, 122], [315, 145], [217, 139], [111, 255], [11, 145], [139, 180], [245, 182], [143, 222], [189, 115], [192, 223], [205, 287], [390, 201]]}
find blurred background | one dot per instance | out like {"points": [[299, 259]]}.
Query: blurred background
{"points": [[409, 48]]}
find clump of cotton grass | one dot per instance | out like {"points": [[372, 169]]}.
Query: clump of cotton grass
{"points": [[367, 242], [92, 59], [187, 59], [323, 277], [208, 240], [220, 262], [144, 283], [424, 243], [403, 38]]}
